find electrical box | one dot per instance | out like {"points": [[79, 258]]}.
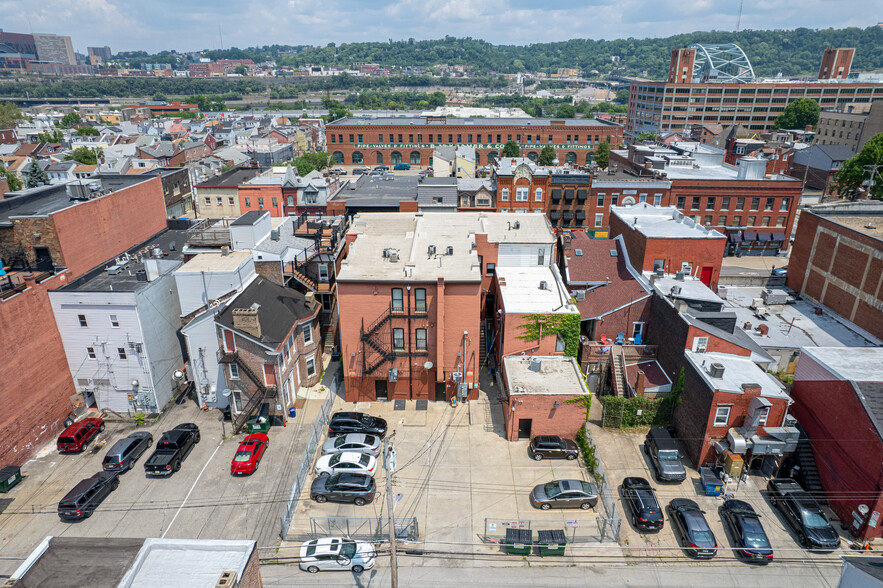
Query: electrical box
{"points": [[462, 390], [733, 464], [393, 375]]}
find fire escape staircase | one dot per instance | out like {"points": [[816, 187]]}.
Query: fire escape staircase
{"points": [[372, 339], [255, 400], [809, 471]]}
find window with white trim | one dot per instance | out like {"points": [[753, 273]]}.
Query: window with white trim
{"points": [[91, 352], [234, 371], [700, 344], [538, 195], [599, 220], [722, 416], [121, 351], [311, 367], [521, 194], [504, 194], [308, 333], [82, 319], [114, 321]]}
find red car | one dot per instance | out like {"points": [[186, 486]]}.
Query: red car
{"points": [[75, 437], [249, 454]]}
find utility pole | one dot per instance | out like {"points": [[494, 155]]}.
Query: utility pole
{"points": [[389, 466]]}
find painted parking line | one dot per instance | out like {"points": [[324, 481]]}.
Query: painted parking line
{"points": [[195, 482]]}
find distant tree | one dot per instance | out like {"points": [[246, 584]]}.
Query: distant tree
{"points": [[13, 180], [799, 114], [241, 70], [511, 149], [853, 174], [565, 111], [159, 97], [34, 175], [622, 97], [547, 155], [602, 155], [10, 115], [85, 155], [88, 132], [336, 110], [55, 136], [70, 119], [311, 162], [647, 136]]}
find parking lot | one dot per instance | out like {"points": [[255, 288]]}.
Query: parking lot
{"points": [[202, 500], [623, 456], [455, 470]]}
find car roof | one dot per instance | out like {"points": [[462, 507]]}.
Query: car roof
{"points": [[361, 479], [568, 485], [347, 415], [635, 483], [350, 456], [684, 503], [547, 438]]}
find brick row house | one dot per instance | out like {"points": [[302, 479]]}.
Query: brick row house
{"points": [[269, 344]]}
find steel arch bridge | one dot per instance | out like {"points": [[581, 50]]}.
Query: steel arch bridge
{"points": [[725, 63]]}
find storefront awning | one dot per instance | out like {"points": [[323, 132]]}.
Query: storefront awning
{"points": [[568, 214], [749, 236], [778, 236], [554, 214], [580, 214], [764, 237], [736, 237]]}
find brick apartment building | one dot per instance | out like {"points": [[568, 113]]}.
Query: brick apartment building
{"points": [[680, 102], [62, 241], [665, 239], [413, 292], [388, 141], [218, 197], [175, 154], [837, 261]]}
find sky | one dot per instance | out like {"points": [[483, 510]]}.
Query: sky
{"points": [[192, 25]]}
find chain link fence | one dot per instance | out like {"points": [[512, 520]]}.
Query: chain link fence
{"points": [[373, 529], [585, 530], [307, 461], [613, 522]]}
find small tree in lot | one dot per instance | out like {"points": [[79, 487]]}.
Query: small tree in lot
{"points": [[511, 149]]}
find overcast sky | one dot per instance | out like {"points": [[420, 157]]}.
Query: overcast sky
{"points": [[153, 25]]}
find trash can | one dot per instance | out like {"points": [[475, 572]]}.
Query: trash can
{"points": [[518, 541], [551, 542], [292, 411], [9, 477]]}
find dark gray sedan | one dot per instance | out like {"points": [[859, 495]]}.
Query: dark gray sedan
{"points": [[564, 494], [691, 528], [356, 488]]}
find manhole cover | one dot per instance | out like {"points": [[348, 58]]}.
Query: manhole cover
{"points": [[398, 405], [422, 404]]}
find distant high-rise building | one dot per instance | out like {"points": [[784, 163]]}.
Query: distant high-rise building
{"points": [[836, 63], [56, 48], [681, 68], [16, 50], [98, 55]]}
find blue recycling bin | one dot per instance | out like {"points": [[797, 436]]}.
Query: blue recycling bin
{"points": [[292, 412]]}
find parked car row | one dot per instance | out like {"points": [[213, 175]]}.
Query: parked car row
{"points": [[559, 493]]}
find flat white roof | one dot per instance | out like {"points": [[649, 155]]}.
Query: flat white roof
{"points": [[662, 222], [186, 562], [216, 262], [691, 288], [557, 375], [738, 370], [410, 235], [860, 364], [521, 293]]}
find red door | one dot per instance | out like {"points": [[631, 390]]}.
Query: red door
{"points": [[705, 278], [269, 375], [229, 341]]}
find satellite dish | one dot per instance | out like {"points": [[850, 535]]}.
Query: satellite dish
{"points": [[428, 365], [227, 392], [179, 375]]}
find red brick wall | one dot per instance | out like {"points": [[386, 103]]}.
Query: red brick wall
{"points": [[847, 447], [268, 193], [622, 321], [838, 259], [36, 379], [564, 421], [714, 343], [512, 344], [91, 232], [531, 204]]}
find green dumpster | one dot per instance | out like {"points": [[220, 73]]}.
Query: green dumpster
{"points": [[258, 425], [551, 542], [518, 541], [9, 477]]}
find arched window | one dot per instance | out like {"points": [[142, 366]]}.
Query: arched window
{"points": [[395, 157], [491, 157], [415, 158], [590, 157], [338, 157], [533, 156], [379, 158], [358, 159], [477, 159], [570, 157]]}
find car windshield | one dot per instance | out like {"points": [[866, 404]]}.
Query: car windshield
{"points": [[703, 537], [552, 489], [756, 539], [339, 441], [364, 460], [242, 455], [668, 455], [334, 479], [348, 549], [587, 488], [814, 520], [369, 440], [334, 460]]}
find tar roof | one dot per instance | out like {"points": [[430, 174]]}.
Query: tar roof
{"points": [[72, 561], [279, 308], [478, 122], [250, 218], [366, 191], [662, 223], [546, 374]]}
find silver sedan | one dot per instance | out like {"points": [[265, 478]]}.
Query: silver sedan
{"points": [[353, 442]]}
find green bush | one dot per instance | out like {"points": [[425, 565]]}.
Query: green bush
{"points": [[139, 418], [620, 413], [589, 455]]}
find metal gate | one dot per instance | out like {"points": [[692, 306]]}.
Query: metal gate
{"points": [[373, 529]]}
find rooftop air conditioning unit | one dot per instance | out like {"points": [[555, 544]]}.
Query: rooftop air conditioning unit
{"points": [[113, 270], [544, 285], [580, 295], [432, 249], [385, 252], [394, 256], [716, 370], [449, 250], [516, 225]]}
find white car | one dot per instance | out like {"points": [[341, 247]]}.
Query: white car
{"points": [[336, 554], [347, 462], [353, 442]]}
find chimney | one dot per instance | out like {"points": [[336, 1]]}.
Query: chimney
{"points": [[309, 299], [246, 320], [640, 383]]}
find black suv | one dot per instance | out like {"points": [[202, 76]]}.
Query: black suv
{"points": [[640, 500], [125, 452], [85, 497], [356, 422], [356, 488], [552, 447], [664, 455]]}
